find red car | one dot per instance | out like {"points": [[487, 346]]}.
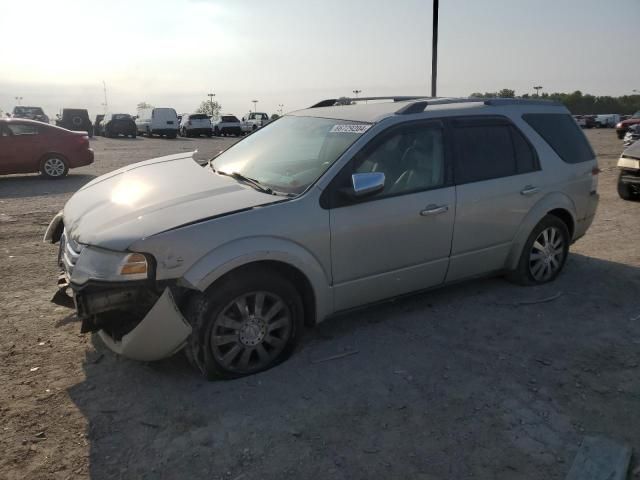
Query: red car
{"points": [[27, 146], [623, 126]]}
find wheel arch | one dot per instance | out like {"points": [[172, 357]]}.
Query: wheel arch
{"points": [[556, 204], [286, 258]]}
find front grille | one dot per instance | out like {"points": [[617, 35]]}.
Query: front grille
{"points": [[69, 253]]}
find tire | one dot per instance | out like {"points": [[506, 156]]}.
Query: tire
{"points": [[225, 343], [149, 134], [544, 254], [625, 191], [54, 167], [621, 135], [172, 136], [216, 132], [134, 135]]}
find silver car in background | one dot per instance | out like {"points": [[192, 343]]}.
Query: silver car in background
{"points": [[322, 210]]}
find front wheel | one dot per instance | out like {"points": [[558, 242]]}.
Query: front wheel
{"points": [[247, 322], [625, 191], [544, 254], [54, 166]]}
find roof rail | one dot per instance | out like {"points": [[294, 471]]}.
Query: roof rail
{"points": [[419, 107], [521, 101], [334, 101]]}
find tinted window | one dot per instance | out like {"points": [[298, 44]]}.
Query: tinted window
{"points": [[411, 158], [483, 152], [17, 129], [199, 116], [562, 134], [229, 118], [526, 159]]}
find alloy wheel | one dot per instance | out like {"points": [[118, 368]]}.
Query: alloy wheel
{"points": [[251, 331], [54, 167], [547, 254]]}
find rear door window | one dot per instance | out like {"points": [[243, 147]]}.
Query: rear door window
{"points": [[490, 148], [562, 134], [18, 129]]}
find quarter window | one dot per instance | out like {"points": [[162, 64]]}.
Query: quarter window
{"points": [[563, 134]]}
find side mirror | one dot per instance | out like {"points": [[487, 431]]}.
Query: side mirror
{"points": [[366, 184]]}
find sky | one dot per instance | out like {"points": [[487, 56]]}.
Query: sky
{"points": [[58, 53]]}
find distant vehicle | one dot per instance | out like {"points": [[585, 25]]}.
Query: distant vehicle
{"points": [[623, 126], [585, 121], [607, 120], [195, 124], [96, 125], [629, 177], [28, 146], [30, 113], [75, 119], [254, 120], [157, 121], [228, 125], [115, 124], [324, 210]]}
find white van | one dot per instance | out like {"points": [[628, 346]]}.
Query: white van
{"points": [[157, 121]]}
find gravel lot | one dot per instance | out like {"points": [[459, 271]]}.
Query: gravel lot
{"points": [[465, 381]]}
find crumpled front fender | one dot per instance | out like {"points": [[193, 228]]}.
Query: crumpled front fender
{"points": [[161, 333]]}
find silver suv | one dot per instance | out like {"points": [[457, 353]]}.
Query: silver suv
{"points": [[323, 210]]}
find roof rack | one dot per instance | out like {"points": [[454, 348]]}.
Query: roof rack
{"points": [[347, 100], [419, 107]]}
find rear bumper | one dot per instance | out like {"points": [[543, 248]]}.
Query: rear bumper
{"points": [[583, 224], [199, 131], [165, 131]]}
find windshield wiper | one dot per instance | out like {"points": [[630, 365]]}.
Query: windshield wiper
{"points": [[251, 181]]}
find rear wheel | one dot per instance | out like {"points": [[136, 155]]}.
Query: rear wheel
{"points": [[216, 132], [544, 254], [54, 166], [248, 322]]}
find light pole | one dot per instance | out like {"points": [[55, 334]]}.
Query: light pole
{"points": [[18, 99], [356, 92], [537, 89], [255, 105], [434, 49], [211, 95]]}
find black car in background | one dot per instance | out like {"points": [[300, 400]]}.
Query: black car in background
{"points": [[114, 124], [75, 119], [96, 125], [30, 113]]}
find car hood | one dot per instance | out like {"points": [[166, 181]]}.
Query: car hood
{"points": [[630, 121], [146, 198]]}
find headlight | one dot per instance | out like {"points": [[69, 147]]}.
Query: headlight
{"points": [[106, 265]]}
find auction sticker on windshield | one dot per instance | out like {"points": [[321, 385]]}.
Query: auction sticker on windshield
{"points": [[349, 128]]}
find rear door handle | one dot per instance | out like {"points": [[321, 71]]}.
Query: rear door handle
{"points": [[529, 190], [434, 210]]}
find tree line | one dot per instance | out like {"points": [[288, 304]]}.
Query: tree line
{"points": [[577, 102]]}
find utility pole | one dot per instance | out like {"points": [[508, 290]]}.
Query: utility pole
{"points": [[18, 99], [537, 89], [211, 95], [356, 92], [106, 104], [434, 49], [255, 105]]}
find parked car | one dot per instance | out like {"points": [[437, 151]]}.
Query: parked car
{"points": [[157, 121], [96, 125], [195, 124], [29, 146], [623, 126], [75, 119], [629, 176], [608, 120], [30, 113], [253, 121], [321, 211], [228, 125], [115, 124], [585, 121], [632, 135]]}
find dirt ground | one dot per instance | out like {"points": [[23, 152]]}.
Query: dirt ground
{"points": [[465, 381]]}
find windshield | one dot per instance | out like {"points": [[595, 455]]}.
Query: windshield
{"points": [[121, 116], [28, 111], [291, 153]]}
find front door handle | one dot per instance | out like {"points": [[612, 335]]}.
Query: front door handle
{"points": [[529, 190], [434, 210]]}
